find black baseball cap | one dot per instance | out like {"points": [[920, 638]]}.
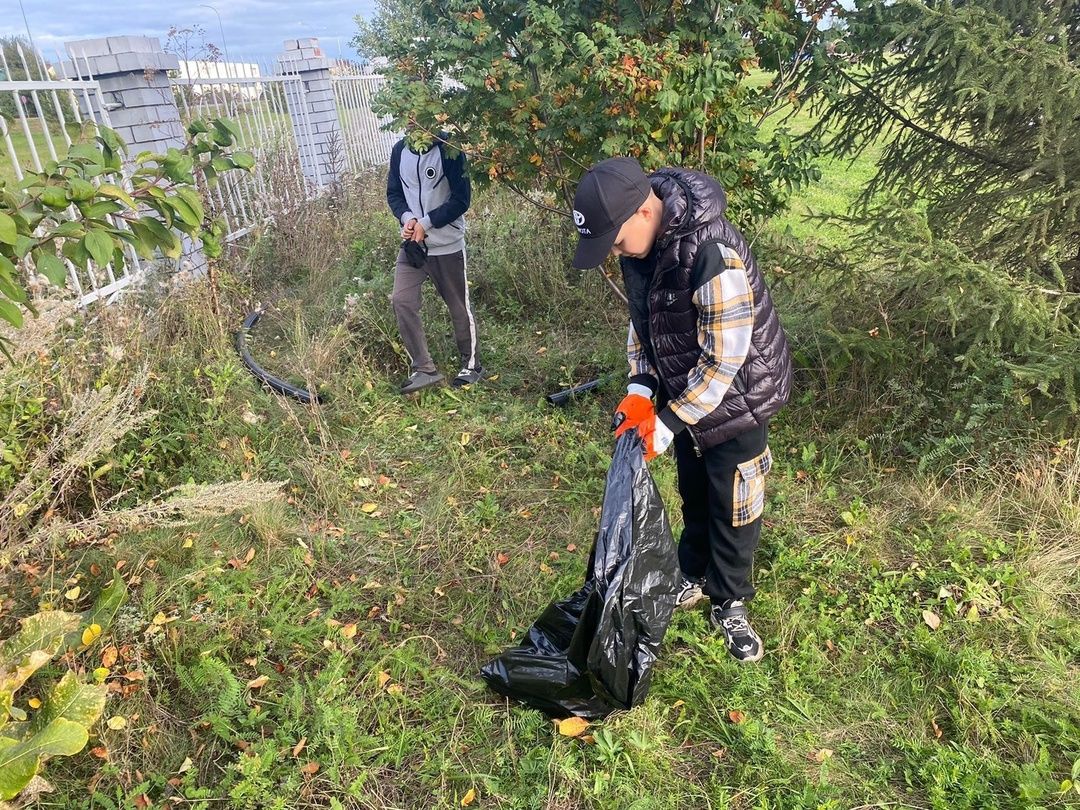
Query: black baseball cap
{"points": [[607, 196]]}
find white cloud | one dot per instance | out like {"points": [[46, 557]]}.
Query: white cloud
{"points": [[253, 28]]}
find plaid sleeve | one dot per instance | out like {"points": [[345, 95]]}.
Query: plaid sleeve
{"points": [[725, 304]]}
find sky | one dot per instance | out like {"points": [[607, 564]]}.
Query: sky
{"points": [[254, 29]]}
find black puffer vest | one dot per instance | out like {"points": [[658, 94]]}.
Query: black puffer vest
{"points": [[660, 289]]}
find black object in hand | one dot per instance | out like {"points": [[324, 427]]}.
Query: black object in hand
{"points": [[415, 252]]}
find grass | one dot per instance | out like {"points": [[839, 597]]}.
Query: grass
{"points": [[370, 593]]}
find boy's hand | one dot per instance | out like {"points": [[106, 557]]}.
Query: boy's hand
{"points": [[408, 228], [418, 233], [634, 409]]}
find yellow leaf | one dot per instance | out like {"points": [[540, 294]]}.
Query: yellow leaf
{"points": [[188, 543], [572, 726], [368, 508], [395, 689], [384, 678], [933, 621], [100, 674], [259, 683], [465, 438], [468, 798], [160, 618], [116, 722], [91, 634], [823, 754], [73, 594], [349, 630], [34, 703], [546, 569]]}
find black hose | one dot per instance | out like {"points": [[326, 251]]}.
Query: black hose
{"points": [[275, 384], [563, 397]]}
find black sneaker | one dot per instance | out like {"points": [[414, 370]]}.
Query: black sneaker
{"points": [[690, 592], [468, 376], [742, 642]]}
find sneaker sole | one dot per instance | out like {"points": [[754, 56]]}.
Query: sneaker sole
{"points": [[417, 389], [693, 601]]}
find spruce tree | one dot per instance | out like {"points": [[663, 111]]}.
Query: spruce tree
{"points": [[978, 103]]}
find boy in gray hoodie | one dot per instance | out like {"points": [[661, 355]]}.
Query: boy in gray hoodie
{"points": [[429, 193]]}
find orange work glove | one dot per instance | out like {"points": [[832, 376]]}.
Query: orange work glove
{"points": [[632, 411], [656, 435]]}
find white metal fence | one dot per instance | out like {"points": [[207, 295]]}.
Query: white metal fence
{"points": [[41, 115], [298, 153]]}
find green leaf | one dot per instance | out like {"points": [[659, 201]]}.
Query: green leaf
{"points": [[19, 761], [243, 160], [116, 193], [8, 232], [87, 152], [100, 247], [39, 637], [72, 700], [192, 198], [80, 190], [183, 210], [8, 284], [69, 229], [54, 197], [50, 266], [10, 313], [100, 209]]}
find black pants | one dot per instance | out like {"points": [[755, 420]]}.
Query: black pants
{"points": [[710, 546]]}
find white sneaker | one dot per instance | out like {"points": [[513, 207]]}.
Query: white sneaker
{"points": [[690, 593]]}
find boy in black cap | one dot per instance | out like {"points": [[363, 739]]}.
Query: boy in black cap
{"points": [[706, 344]]}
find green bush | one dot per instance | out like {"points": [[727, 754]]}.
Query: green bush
{"points": [[927, 349]]}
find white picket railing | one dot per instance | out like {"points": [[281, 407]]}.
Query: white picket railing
{"points": [[367, 144], [45, 110]]}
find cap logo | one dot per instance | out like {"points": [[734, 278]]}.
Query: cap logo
{"points": [[579, 220]]}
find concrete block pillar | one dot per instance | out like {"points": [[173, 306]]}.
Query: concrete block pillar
{"points": [[313, 110], [133, 75]]}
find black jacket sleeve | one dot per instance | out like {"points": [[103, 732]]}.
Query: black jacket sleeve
{"points": [[457, 175], [395, 194]]}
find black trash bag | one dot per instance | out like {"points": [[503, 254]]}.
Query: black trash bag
{"points": [[593, 652]]}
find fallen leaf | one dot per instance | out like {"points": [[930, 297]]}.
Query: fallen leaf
{"points": [[468, 798], [933, 621], [374, 612], [502, 559], [829, 645], [101, 752], [91, 634], [345, 454], [736, 717], [188, 543], [384, 678], [823, 754], [546, 569], [373, 585], [310, 768], [299, 747], [369, 507], [116, 722], [349, 630], [143, 802], [34, 703], [250, 555], [678, 703], [936, 727], [135, 675], [395, 689], [73, 594], [185, 766], [571, 548], [383, 480], [260, 682], [719, 753], [160, 619], [95, 569], [573, 726], [465, 439]]}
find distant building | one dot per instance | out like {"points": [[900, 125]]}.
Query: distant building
{"points": [[218, 75]]}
